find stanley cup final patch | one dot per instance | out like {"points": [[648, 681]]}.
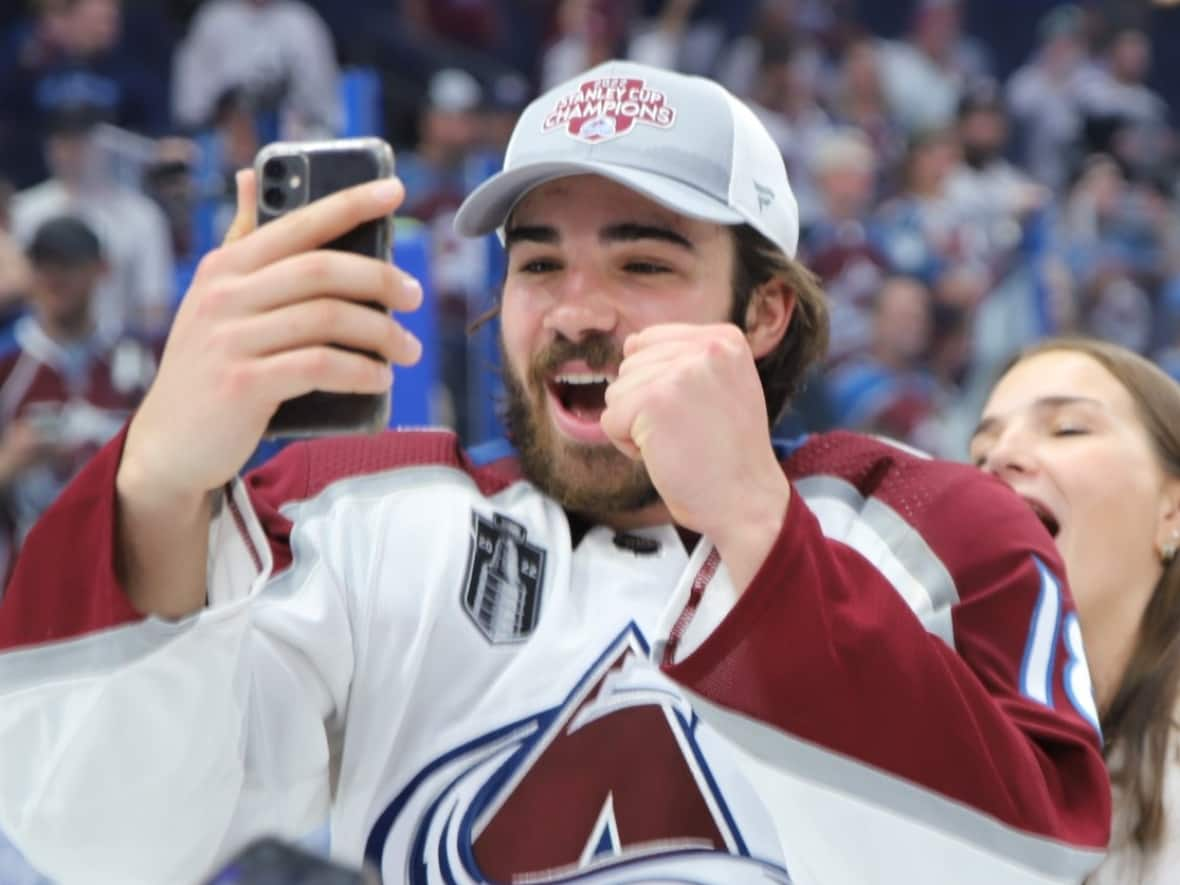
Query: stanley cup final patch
{"points": [[502, 593], [609, 107]]}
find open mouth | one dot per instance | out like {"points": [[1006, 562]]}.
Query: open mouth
{"points": [[578, 399], [582, 395], [1048, 520]]}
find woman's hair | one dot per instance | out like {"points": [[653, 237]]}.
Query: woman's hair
{"points": [[782, 371], [1137, 724]]}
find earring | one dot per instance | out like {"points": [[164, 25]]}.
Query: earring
{"points": [[1168, 551]]}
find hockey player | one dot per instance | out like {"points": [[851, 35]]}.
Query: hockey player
{"points": [[641, 643]]}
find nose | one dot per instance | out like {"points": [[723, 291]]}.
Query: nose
{"points": [[1010, 454], [582, 303]]}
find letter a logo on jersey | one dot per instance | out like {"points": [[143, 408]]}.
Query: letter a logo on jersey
{"points": [[504, 577], [614, 784]]}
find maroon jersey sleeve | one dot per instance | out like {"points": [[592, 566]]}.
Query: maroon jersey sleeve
{"points": [[982, 697], [64, 581]]}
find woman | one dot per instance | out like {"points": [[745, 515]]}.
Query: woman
{"points": [[1089, 434]]}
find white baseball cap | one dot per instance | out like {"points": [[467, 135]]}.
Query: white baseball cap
{"points": [[683, 141]]}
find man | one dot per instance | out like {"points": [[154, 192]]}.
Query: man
{"points": [[137, 292], [279, 53], [65, 388], [644, 645]]}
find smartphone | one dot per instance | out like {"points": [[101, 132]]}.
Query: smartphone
{"points": [[269, 861], [291, 174]]}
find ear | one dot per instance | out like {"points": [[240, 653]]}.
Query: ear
{"points": [[1167, 533], [768, 315]]}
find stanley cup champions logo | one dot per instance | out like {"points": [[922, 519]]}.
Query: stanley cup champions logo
{"points": [[504, 576], [610, 107]]}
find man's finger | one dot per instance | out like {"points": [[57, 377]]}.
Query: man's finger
{"points": [[332, 370], [246, 218], [327, 321], [337, 274], [661, 332], [317, 223]]}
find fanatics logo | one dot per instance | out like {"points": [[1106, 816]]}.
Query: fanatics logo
{"points": [[610, 107], [504, 577]]}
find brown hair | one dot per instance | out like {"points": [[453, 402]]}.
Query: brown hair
{"points": [[1137, 724], [782, 371]]}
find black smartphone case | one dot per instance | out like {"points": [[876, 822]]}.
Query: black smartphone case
{"points": [[333, 166]]}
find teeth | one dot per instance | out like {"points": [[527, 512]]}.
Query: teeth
{"points": [[586, 378]]}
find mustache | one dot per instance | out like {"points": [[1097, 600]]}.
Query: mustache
{"points": [[598, 350]]}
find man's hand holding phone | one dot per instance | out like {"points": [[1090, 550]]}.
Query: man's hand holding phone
{"points": [[269, 316]]}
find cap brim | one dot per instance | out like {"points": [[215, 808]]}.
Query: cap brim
{"points": [[490, 204]]}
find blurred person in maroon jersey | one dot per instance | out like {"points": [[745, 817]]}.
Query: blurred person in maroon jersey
{"points": [[66, 387]]}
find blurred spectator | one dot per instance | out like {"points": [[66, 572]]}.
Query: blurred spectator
{"points": [[476, 24], [777, 24], [138, 292], [65, 387], [836, 245], [1124, 116], [435, 173], [889, 390], [588, 32], [277, 53], [170, 183], [15, 274], [505, 97], [994, 197], [1122, 240], [858, 99], [72, 55], [921, 230], [1043, 99], [660, 41], [786, 99], [926, 73], [445, 166]]}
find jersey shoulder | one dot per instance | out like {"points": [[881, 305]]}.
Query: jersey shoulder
{"points": [[960, 512], [303, 470]]}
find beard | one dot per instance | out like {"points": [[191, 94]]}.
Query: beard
{"points": [[593, 480]]}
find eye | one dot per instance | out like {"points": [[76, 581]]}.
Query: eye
{"points": [[646, 267], [538, 266], [1070, 430]]}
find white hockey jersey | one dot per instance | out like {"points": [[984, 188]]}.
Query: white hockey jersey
{"points": [[413, 652]]}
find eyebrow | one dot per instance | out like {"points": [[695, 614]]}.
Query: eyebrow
{"points": [[1044, 404], [628, 232], [530, 233]]}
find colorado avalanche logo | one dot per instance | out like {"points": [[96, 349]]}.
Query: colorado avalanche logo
{"points": [[609, 107], [610, 786]]}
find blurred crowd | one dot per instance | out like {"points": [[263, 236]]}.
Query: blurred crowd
{"points": [[954, 211]]}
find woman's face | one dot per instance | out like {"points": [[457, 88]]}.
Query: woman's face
{"points": [[1067, 437]]}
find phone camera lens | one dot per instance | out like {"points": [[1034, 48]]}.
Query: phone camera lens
{"points": [[274, 168], [275, 198]]}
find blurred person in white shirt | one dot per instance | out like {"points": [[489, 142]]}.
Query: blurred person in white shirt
{"points": [[278, 51], [138, 293], [926, 73], [1042, 98]]}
